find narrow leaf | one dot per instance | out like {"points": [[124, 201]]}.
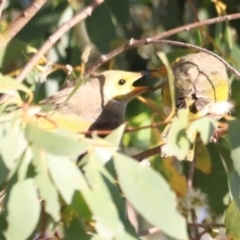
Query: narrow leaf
{"points": [[66, 176], [58, 142], [151, 196], [24, 210]]}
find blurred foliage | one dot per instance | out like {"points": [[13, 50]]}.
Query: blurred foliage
{"points": [[46, 193]]}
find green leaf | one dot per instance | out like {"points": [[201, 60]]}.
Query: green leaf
{"points": [[209, 183], [205, 126], [120, 9], [13, 138], [177, 143], [115, 137], [46, 188], [232, 220], [3, 171], [66, 176], [105, 213], [150, 195], [235, 187], [24, 210], [100, 28], [58, 142], [75, 230], [233, 134], [10, 85]]}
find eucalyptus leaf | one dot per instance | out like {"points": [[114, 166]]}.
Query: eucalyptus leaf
{"points": [[23, 210], [58, 142], [232, 219], [66, 176], [104, 210], [233, 134], [150, 195], [47, 190]]}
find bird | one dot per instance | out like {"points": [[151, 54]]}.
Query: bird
{"points": [[201, 84], [99, 104]]}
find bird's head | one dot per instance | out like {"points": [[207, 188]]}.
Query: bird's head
{"points": [[118, 85]]}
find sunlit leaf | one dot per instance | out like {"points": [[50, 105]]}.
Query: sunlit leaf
{"points": [[232, 220], [205, 126], [66, 176], [24, 210], [58, 142], [10, 86], [105, 213], [177, 143], [115, 137], [176, 180], [147, 191], [47, 190]]}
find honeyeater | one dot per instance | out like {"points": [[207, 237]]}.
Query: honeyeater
{"points": [[201, 84], [99, 104]]}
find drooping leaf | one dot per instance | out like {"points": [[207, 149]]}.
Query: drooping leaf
{"points": [[205, 126], [202, 158], [177, 143], [100, 24], [66, 176], [47, 190], [177, 181], [150, 195], [235, 187], [10, 86], [115, 137], [209, 183], [233, 134], [232, 219], [58, 142], [105, 213], [13, 139], [23, 210]]}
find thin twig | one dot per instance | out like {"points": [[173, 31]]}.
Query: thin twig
{"points": [[132, 43], [188, 45], [148, 231], [19, 22], [53, 39], [148, 153], [211, 225]]}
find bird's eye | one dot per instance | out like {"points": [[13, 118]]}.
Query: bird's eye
{"points": [[122, 82]]}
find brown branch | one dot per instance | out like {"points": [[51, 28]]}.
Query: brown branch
{"points": [[53, 39], [20, 22], [148, 231], [56, 36], [145, 41], [188, 45], [202, 225], [148, 153]]}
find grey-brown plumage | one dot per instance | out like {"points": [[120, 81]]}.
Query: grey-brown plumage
{"points": [[98, 104]]}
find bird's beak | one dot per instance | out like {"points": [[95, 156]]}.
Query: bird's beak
{"points": [[139, 89]]}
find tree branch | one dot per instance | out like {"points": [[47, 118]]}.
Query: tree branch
{"points": [[53, 39], [146, 41], [19, 22]]}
